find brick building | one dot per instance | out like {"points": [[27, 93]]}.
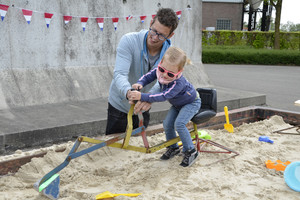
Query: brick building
{"points": [[222, 14]]}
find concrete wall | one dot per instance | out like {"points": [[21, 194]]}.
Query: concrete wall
{"points": [[211, 11], [40, 65]]}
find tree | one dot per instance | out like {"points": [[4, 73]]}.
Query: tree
{"points": [[278, 5], [295, 28], [290, 27]]}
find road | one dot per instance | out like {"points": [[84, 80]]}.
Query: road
{"points": [[280, 84]]}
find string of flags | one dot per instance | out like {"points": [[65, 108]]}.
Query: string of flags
{"points": [[100, 20]]}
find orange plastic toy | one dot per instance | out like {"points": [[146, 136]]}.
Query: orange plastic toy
{"points": [[278, 165]]}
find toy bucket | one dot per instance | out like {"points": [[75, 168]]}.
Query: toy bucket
{"points": [[292, 175]]}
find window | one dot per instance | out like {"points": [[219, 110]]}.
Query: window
{"points": [[223, 24]]}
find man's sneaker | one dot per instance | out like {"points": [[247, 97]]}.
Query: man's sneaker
{"points": [[189, 158], [170, 153]]}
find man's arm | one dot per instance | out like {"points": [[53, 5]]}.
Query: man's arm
{"points": [[122, 66]]}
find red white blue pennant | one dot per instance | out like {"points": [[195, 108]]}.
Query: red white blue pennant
{"points": [[67, 19], [100, 22], [83, 22], [3, 10], [27, 14], [48, 17], [115, 21], [143, 18], [178, 13], [129, 17]]}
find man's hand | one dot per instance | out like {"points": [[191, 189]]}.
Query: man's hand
{"points": [[128, 95], [141, 106], [134, 95]]}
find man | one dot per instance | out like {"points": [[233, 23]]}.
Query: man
{"points": [[137, 53]]}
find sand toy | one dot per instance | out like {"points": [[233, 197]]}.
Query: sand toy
{"points": [[203, 135], [292, 175], [265, 139], [227, 126], [49, 184], [107, 195], [278, 165]]}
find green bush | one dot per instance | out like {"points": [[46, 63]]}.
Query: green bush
{"points": [[256, 39], [249, 55]]}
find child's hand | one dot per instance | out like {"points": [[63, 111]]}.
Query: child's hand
{"points": [[137, 86], [135, 95]]}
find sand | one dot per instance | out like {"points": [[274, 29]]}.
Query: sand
{"points": [[122, 171]]}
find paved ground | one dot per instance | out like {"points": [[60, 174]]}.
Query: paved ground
{"points": [[281, 84]]}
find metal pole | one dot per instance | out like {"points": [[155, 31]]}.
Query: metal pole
{"points": [[250, 18], [264, 17], [243, 12]]}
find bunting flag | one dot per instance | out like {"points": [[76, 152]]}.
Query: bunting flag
{"points": [[83, 22], [143, 18], [67, 19], [3, 10], [178, 13], [100, 22], [48, 17], [115, 22], [129, 17], [27, 14]]}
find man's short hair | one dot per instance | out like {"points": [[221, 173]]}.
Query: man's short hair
{"points": [[167, 17]]}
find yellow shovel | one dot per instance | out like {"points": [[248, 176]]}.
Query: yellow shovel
{"points": [[227, 126], [108, 195]]}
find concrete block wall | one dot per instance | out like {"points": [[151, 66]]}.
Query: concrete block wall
{"points": [[40, 65]]}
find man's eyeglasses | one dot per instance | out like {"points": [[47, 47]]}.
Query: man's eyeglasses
{"points": [[170, 74], [154, 33]]}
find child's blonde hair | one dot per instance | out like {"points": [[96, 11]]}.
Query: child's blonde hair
{"points": [[177, 56]]}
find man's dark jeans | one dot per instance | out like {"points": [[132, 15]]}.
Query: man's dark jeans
{"points": [[117, 120]]}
